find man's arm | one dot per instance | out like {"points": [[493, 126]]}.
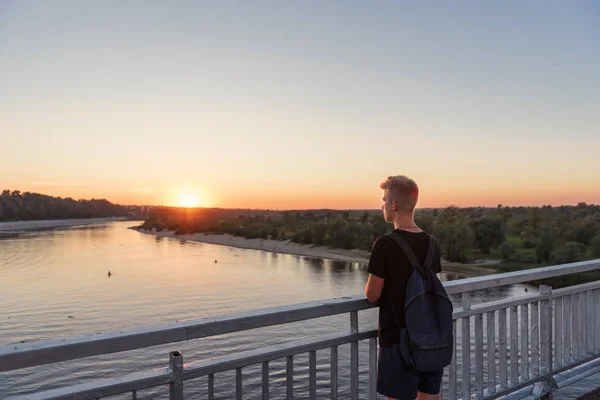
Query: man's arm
{"points": [[376, 271], [374, 288]]}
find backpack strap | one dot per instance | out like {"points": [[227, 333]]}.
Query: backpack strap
{"points": [[433, 244], [412, 259]]}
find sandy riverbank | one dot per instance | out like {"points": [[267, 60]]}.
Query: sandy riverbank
{"points": [[274, 246], [24, 226], [287, 247]]}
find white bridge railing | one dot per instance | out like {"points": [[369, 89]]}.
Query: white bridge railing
{"points": [[528, 347]]}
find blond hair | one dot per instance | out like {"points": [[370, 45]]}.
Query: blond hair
{"points": [[403, 190]]}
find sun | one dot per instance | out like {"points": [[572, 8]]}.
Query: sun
{"points": [[188, 200]]}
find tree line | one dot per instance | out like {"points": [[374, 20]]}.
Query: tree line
{"points": [[515, 235], [17, 206]]}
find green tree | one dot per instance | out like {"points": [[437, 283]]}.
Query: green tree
{"points": [[378, 223], [364, 218], [489, 232], [584, 230], [546, 245], [504, 213], [506, 251], [528, 238], [343, 239], [535, 218], [595, 249], [318, 231], [455, 234], [335, 225], [567, 253], [427, 223], [307, 236]]}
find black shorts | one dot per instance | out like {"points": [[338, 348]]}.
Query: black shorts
{"points": [[397, 380]]}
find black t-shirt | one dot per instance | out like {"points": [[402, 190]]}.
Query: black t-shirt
{"points": [[389, 262]]}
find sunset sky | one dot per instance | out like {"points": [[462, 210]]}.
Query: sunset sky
{"points": [[306, 104]]}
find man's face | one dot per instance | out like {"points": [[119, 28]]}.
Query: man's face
{"points": [[387, 207]]}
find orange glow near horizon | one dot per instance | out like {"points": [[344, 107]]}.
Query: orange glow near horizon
{"points": [[186, 197], [251, 195], [188, 201]]}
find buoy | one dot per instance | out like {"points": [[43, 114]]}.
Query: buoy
{"points": [[109, 274]]}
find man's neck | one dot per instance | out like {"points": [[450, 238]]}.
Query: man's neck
{"points": [[404, 221]]}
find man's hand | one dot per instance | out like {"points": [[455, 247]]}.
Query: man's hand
{"points": [[373, 288]]}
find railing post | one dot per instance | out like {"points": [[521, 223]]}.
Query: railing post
{"points": [[558, 329], [597, 321], [590, 324], [514, 346], [502, 348], [334, 373], [546, 320], [525, 342], [466, 348], [452, 369], [582, 321], [491, 351], [575, 326], [176, 385], [354, 357], [566, 321], [265, 380], [312, 375], [238, 383], [546, 330], [479, 355], [211, 386], [535, 340], [289, 379], [373, 368], [582, 328]]}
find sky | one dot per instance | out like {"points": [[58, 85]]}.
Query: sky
{"points": [[304, 104]]}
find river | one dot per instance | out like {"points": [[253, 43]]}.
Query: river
{"points": [[55, 284]]}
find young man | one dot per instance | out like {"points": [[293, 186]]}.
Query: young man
{"points": [[389, 271]]}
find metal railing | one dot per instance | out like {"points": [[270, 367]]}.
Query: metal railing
{"points": [[554, 345]]}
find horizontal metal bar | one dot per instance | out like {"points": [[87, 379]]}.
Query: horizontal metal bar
{"points": [[576, 378], [564, 374], [104, 387], [23, 355], [522, 300], [584, 287], [527, 275], [496, 305], [576, 371], [501, 392], [250, 357], [518, 394]]}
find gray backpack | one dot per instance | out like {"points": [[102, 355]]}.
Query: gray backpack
{"points": [[427, 341]]}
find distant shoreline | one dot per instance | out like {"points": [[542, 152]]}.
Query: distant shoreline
{"points": [[16, 227], [305, 250]]}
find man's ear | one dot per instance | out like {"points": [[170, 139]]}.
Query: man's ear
{"points": [[394, 205]]}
